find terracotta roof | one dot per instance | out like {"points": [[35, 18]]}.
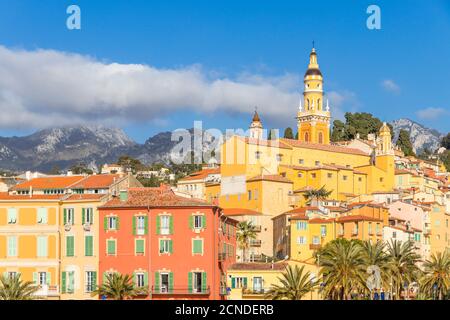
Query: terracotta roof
{"points": [[324, 147], [321, 220], [56, 182], [258, 266], [303, 210], [200, 175], [25, 197], [402, 171], [357, 218], [266, 143], [299, 217], [74, 197], [303, 189], [162, 196], [270, 177], [100, 181], [240, 212], [336, 209]]}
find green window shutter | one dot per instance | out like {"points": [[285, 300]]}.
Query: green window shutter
{"points": [[171, 225], [139, 246], [111, 247], [117, 223], [158, 225], [73, 216], [94, 280], [157, 279], [191, 222], [198, 246], [89, 244], [134, 225], [204, 284], [244, 281], [63, 282], [160, 245], [190, 282], [35, 277], [204, 221], [83, 216], [49, 278], [134, 279], [145, 279], [70, 246], [105, 278], [146, 225], [65, 216], [171, 246], [170, 282], [105, 223], [233, 283]]}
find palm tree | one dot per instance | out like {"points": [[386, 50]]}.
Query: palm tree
{"points": [[313, 196], [402, 265], [342, 269], [117, 287], [295, 284], [246, 231], [15, 289], [374, 254], [436, 279]]}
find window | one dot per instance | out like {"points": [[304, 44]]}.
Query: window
{"points": [[42, 216], [301, 161], [313, 175], [42, 278], [139, 246], [394, 234], [370, 227], [330, 175], [141, 225], [381, 179], [199, 281], [300, 175], [140, 280], [279, 157], [112, 223], [359, 179], [417, 237], [257, 284], [165, 224], [89, 246], [344, 178], [355, 228], [198, 221], [316, 240], [317, 163], [256, 194], [301, 225], [165, 282], [70, 246], [197, 246], [323, 231], [111, 247], [88, 215], [11, 274], [69, 216], [42, 246], [249, 194], [238, 282], [301, 240], [12, 215], [90, 281], [12, 246], [165, 246], [258, 155]]}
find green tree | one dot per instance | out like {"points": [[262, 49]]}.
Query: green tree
{"points": [[118, 287], [314, 196], [436, 280], [446, 141], [445, 158], [130, 163], [342, 269], [374, 254], [402, 265], [356, 123], [80, 168], [246, 232], [288, 133], [15, 289], [339, 132], [404, 142], [295, 284], [149, 182]]}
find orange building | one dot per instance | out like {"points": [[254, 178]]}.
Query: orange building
{"points": [[174, 247]]}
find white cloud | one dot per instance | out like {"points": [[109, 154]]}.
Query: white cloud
{"points": [[45, 87], [432, 113], [390, 85]]}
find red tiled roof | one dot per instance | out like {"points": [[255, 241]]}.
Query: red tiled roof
{"points": [[74, 197], [100, 181], [270, 177], [357, 218], [324, 147], [56, 182], [155, 197], [266, 143], [258, 266], [303, 189], [240, 212], [321, 220], [7, 196], [199, 175], [402, 171], [299, 217], [302, 210]]}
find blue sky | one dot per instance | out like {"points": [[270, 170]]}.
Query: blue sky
{"points": [[399, 71]]}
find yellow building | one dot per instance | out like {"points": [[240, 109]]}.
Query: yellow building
{"points": [[439, 228], [252, 281]]}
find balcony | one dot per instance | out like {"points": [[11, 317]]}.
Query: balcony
{"points": [[315, 246], [46, 291], [180, 291], [255, 243], [222, 256], [254, 292]]}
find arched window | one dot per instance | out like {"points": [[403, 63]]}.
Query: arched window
{"points": [[306, 137], [320, 137]]}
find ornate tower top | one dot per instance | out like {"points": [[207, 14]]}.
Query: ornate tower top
{"points": [[256, 128]]}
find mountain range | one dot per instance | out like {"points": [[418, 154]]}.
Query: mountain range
{"points": [[95, 145]]}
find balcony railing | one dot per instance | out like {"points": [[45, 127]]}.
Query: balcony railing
{"points": [[47, 291], [180, 291], [254, 291], [255, 243]]}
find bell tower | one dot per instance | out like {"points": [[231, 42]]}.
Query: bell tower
{"points": [[256, 128], [314, 116]]}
